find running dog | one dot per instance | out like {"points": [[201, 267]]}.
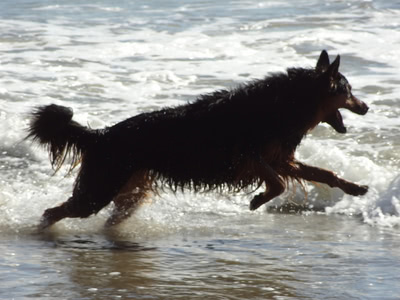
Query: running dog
{"points": [[227, 140]]}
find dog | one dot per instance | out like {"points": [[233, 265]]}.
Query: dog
{"points": [[228, 140]]}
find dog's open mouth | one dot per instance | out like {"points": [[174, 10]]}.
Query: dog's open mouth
{"points": [[336, 121]]}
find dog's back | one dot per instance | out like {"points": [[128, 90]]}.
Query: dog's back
{"points": [[205, 144]]}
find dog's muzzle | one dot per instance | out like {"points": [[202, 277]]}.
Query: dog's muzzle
{"points": [[356, 105]]}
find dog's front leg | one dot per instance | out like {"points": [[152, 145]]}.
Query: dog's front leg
{"points": [[274, 185], [328, 177]]}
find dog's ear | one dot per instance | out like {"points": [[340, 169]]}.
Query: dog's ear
{"points": [[323, 62], [333, 69]]}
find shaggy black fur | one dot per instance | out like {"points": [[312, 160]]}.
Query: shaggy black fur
{"points": [[229, 139]]}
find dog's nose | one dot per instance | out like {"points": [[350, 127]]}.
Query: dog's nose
{"points": [[357, 106], [364, 109]]}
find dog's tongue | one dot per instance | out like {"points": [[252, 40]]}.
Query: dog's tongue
{"points": [[336, 121]]}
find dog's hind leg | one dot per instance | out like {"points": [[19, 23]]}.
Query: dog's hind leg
{"points": [[87, 199], [275, 186], [328, 177], [53, 215], [129, 198], [69, 209]]}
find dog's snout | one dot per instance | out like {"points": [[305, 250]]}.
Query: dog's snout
{"points": [[357, 106], [362, 107], [365, 109]]}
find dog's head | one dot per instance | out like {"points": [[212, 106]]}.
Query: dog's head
{"points": [[336, 93]]}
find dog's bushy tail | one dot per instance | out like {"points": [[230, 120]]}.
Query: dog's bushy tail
{"points": [[52, 127]]}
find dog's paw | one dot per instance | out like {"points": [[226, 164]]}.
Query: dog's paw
{"points": [[44, 223], [358, 190], [363, 189], [257, 201]]}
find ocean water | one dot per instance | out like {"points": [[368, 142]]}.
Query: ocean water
{"points": [[109, 60]]}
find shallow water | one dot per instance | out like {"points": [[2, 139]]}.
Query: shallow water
{"points": [[109, 60], [278, 256]]}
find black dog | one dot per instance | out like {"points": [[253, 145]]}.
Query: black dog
{"points": [[226, 140]]}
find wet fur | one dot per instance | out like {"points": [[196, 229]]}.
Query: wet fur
{"points": [[226, 140]]}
